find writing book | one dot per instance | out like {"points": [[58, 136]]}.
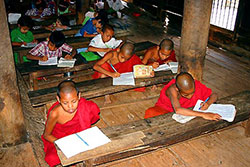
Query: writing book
{"points": [[66, 63], [226, 111], [50, 61], [82, 141], [125, 79]]}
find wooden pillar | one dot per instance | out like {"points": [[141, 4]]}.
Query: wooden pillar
{"points": [[82, 8], [12, 129], [194, 36]]}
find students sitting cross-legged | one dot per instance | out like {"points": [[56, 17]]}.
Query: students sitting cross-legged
{"points": [[69, 115], [180, 95]]}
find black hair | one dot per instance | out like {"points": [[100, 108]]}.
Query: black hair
{"points": [[63, 5], [70, 83], [167, 44], [107, 27], [57, 38], [25, 21], [42, 5], [64, 20]]}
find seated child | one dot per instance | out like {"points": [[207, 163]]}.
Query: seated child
{"points": [[116, 62], [181, 94], [21, 35], [52, 48], [39, 9], [104, 42], [161, 54], [113, 7], [91, 28], [69, 115], [62, 22]]}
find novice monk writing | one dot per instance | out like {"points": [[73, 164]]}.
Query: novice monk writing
{"points": [[161, 54], [116, 62], [70, 114], [182, 93]]}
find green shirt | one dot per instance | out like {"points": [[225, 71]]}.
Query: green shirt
{"points": [[18, 36]]}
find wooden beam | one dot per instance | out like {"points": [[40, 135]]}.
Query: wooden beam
{"points": [[162, 131], [194, 36], [98, 87], [12, 129]]}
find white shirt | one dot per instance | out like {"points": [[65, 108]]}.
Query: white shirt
{"points": [[97, 42], [117, 5]]}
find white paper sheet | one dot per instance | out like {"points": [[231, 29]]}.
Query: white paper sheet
{"points": [[182, 118], [66, 63], [13, 17], [86, 140], [29, 45], [50, 61], [173, 64], [162, 67], [226, 111], [125, 79]]}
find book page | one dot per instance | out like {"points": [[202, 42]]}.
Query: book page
{"points": [[50, 61], [66, 63], [226, 111], [82, 141], [182, 118], [29, 45], [125, 79], [162, 67]]}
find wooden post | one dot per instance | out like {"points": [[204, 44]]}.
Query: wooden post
{"points": [[12, 129], [247, 128], [82, 8], [194, 36]]}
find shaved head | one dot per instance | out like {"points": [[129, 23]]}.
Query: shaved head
{"points": [[66, 87], [127, 48], [185, 82], [167, 44]]}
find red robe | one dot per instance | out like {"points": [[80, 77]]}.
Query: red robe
{"points": [[171, 57], [87, 114], [123, 67], [163, 105]]}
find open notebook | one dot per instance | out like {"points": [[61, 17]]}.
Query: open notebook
{"points": [[125, 79], [173, 66], [49, 62], [226, 111], [66, 63], [82, 141]]}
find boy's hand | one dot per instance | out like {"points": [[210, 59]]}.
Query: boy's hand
{"points": [[115, 74], [204, 106], [152, 74], [155, 65], [24, 43], [211, 116], [68, 57], [166, 62], [44, 58], [35, 41]]}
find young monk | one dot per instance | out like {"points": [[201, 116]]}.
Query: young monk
{"points": [[116, 62], [70, 114], [122, 60], [161, 54], [181, 94]]}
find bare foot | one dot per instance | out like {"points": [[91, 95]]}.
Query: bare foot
{"points": [[107, 99]]}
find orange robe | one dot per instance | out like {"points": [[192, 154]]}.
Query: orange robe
{"points": [[86, 115], [171, 57], [163, 105]]}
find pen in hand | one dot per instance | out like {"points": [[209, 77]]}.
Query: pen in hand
{"points": [[204, 103]]}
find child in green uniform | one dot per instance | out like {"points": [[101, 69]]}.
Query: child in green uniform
{"points": [[21, 35]]}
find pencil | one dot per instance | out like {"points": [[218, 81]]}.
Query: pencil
{"points": [[112, 67], [204, 103], [82, 139]]}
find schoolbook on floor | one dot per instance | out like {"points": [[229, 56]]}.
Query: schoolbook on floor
{"points": [[82, 141]]}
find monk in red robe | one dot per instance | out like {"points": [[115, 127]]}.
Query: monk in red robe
{"points": [[116, 62], [69, 115], [161, 54], [181, 94]]}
